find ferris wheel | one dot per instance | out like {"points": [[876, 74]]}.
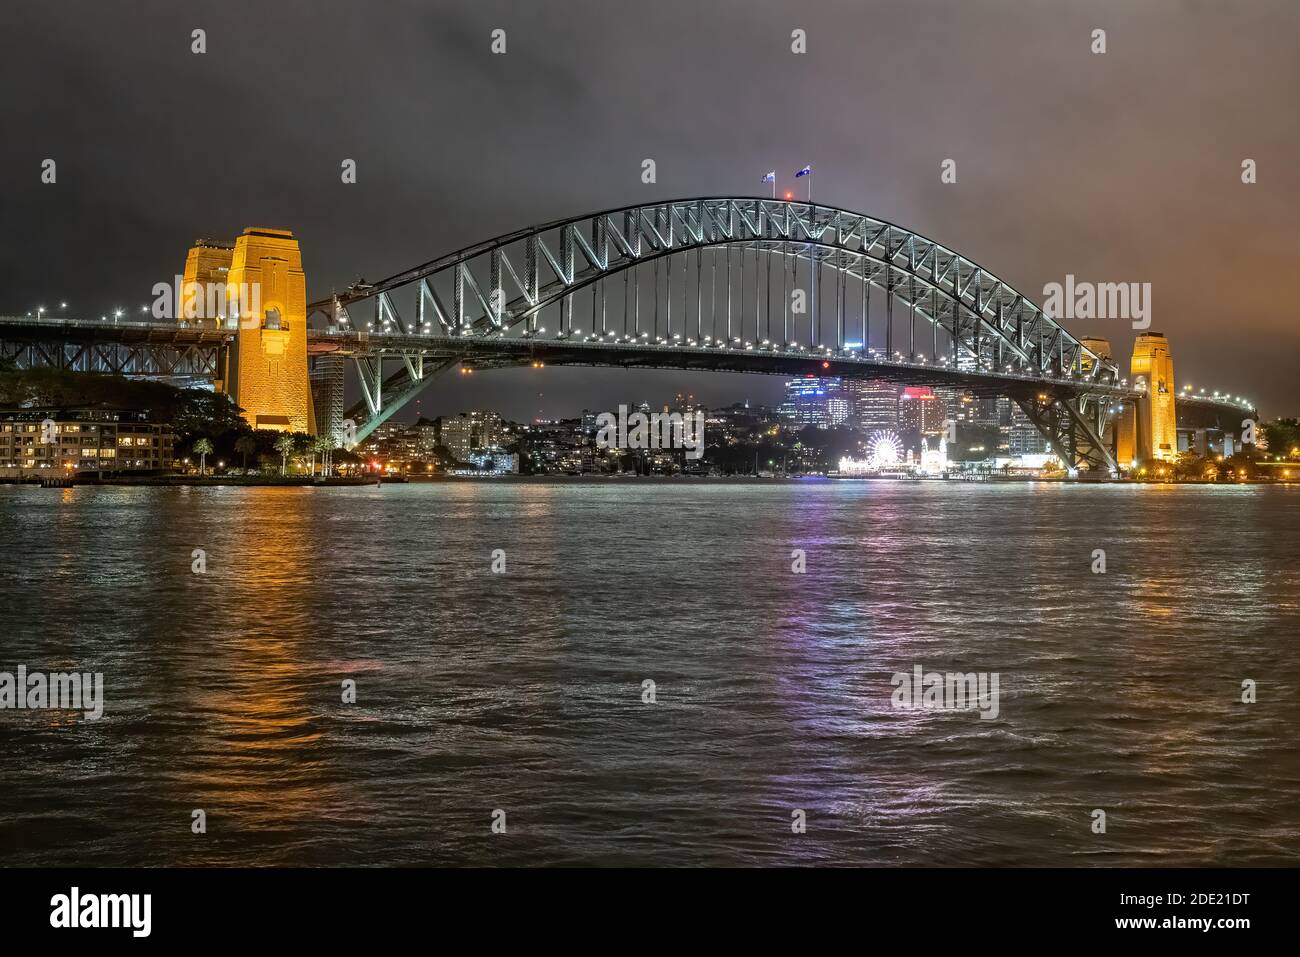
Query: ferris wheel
{"points": [[884, 448]]}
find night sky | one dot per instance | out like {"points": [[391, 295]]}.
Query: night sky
{"points": [[1121, 167]]}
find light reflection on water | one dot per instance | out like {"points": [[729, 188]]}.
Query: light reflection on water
{"points": [[523, 691]]}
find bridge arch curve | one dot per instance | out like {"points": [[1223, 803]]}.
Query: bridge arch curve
{"points": [[983, 321], [636, 276]]}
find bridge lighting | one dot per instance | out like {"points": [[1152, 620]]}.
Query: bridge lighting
{"points": [[63, 305], [117, 314]]}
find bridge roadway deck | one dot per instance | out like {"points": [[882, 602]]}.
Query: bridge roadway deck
{"points": [[506, 352], [499, 352]]}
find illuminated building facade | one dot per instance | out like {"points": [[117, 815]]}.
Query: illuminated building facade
{"points": [[82, 440], [920, 413], [817, 401], [470, 431], [875, 404]]}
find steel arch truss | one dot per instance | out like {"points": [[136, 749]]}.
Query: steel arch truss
{"points": [[502, 286]]}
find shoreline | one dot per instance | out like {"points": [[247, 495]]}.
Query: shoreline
{"points": [[189, 481]]}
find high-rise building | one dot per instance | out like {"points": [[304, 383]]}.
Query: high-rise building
{"points": [[469, 431], [456, 435], [808, 401], [1023, 437], [873, 404], [325, 373], [920, 413]]}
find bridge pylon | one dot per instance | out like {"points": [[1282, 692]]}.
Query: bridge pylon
{"points": [[1148, 430], [264, 367]]}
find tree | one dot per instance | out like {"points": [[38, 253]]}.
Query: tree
{"points": [[201, 448], [244, 445], [199, 410], [324, 445], [1283, 437], [285, 445], [1190, 465]]}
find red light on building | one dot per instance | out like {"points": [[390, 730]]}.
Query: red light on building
{"points": [[826, 365]]}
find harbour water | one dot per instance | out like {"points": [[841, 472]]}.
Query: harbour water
{"points": [[524, 690]]}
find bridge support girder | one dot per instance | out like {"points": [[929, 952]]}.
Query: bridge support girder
{"points": [[383, 397], [1074, 424]]}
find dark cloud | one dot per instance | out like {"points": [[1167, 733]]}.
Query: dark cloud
{"points": [[1120, 167]]}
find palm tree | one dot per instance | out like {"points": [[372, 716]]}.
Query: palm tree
{"points": [[243, 445], [284, 445], [201, 448], [324, 445]]}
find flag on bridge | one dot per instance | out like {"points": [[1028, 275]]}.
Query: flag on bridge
{"points": [[770, 177], [806, 171]]}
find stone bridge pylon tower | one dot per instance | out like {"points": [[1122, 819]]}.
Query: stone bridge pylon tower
{"points": [[264, 370]]}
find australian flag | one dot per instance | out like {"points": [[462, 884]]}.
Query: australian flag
{"points": [[806, 171], [770, 177]]}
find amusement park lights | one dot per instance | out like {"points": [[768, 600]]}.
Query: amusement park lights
{"points": [[884, 449]]}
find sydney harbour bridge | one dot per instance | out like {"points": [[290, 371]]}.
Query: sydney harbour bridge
{"points": [[718, 284]]}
